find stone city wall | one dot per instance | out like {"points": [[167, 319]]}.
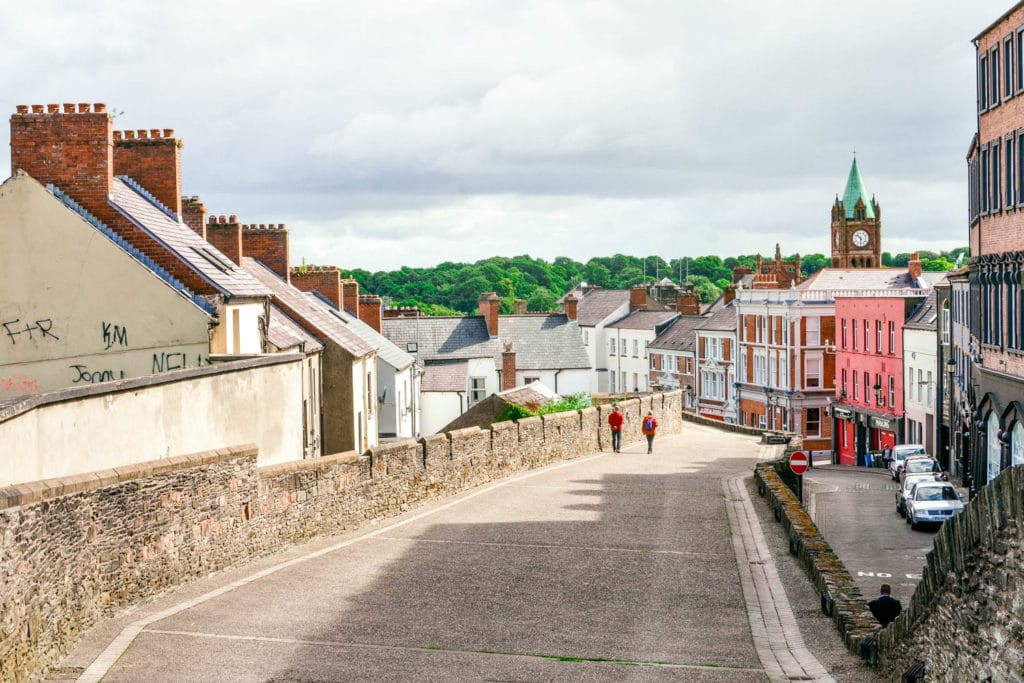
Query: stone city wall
{"points": [[965, 621], [74, 550]]}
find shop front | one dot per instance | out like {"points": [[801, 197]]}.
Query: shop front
{"points": [[859, 431]]}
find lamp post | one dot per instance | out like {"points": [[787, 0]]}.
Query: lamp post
{"points": [[768, 391]]}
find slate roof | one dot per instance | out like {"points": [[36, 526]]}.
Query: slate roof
{"points": [[439, 338], [722, 320], [679, 335], [201, 256], [543, 342], [642, 320], [923, 317], [532, 396], [308, 313], [285, 333], [862, 278], [598, 304], [386, 350], [445, 376]]}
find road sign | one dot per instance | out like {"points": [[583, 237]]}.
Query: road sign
{"points": [[798, 462]]}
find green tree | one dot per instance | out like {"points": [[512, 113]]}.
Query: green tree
{"points": [[541, 301]]}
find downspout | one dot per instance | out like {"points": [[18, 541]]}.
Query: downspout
{"points": [[461, 409], [556, 379], [618, 357]]}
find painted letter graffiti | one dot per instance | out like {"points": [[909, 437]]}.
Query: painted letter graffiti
{"points": [[18, 384], [85, 376], [114, 334], [162, 362], [42, 327]]}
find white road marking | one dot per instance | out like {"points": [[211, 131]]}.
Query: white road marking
{"points": [[545, 546]]}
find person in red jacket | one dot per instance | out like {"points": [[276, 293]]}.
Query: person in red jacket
{"points": [[649, 427], [615, 422]]}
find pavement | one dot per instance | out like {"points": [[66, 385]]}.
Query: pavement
{"points": [[617, 567]]}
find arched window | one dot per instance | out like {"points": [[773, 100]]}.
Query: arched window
{"points": [[995, 449], [1017, 444]]}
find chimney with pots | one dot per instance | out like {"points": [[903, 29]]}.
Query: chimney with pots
{"points": [[193, 214], [508, 367], [225, 233], [269, 244], [914, 266], [520, 306], [489, 305], [728, 294], [152, 158], [638, 298], [688, 303], [324, 279], [571, 304], [370, 306], [350, 295]]}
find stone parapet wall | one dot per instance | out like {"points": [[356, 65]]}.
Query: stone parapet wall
{"points": [[841, 597], [965, 621], [719, 424], [76, 549]]}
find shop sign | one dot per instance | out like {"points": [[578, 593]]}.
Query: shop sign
{"points": [[880, 423], [842, 413]]}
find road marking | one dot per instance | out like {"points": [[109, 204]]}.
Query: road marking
{"points": [[546, 546], [886, 575], [777, 639], [101, 665], [434, 650]]}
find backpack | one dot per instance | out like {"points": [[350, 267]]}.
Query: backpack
{"points": [[649, 423]]}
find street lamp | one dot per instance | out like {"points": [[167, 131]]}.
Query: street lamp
{"points": [[878, 393], [768, 391]]}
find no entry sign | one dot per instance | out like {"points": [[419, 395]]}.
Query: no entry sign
{"points": [[798, 462]]}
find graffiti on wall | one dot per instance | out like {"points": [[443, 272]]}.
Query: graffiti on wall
{"points": [[175, 360], [41, 330], [114, 335], [82, 374], [18, 384]]}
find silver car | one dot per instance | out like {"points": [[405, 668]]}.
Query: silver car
{"points": [[932, 503], [904, 490]]}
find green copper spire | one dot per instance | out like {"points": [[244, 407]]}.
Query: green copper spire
{"points": [[854, 191]]}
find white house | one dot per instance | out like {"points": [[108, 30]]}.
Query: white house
{"points": [[920, 364], [627, 356]]}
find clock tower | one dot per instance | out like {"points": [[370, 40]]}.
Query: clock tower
{"points": [[856, 226]]}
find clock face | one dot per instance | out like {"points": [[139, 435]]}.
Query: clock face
{"points": [[860, 238]]}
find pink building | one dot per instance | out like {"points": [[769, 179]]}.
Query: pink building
{"points": [[868, 411]]}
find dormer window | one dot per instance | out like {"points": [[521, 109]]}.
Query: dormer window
{"points": [[859, 213]]}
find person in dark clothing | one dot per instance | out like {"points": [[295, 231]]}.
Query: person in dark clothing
{"points": [[615, 422], [884, 607]]}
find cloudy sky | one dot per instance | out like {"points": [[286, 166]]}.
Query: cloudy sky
{"points": [[409, 133]]}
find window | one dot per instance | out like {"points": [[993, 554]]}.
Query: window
{"points": [[714, 347], [611, 378], [842, 387], [636, 348], [611, 346], [773, 377], [930, 386], [879, 396], [867, 388], [712, 384], [1009, 175], [995, 177], [812, 370], [813, 329], [1017, 445], [892, 337], [477, 389], [984, 189], [784, 371], [813, 421], [412, 347], [995, 447], [1008, 67], [1019, 194], [853, 328], [867, 336], [1020, 60], [878, 336], [993, 65], [920, 384], [983, 82], [843, 337], [892, 391], [528, 380], [636, 382], [760, 368], [856, 387], [646, 344]]}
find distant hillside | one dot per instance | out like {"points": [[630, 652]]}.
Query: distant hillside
{"points": [[453, 288]]}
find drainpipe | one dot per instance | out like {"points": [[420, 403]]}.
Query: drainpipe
{"points": [[556, 380]]}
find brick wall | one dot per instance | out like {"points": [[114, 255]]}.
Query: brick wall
{"points": [[152, 158], [268, 243], [323, 279], [225, 233], [76, 549]]}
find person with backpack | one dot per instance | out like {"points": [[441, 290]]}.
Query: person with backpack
{"points": [[649, 427], [615, 422]]}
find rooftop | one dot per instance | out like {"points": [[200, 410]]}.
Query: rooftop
{"points": [[643, 320], [855, 191], [440, 338], [544, 342], [598, 304], [679, 335]]}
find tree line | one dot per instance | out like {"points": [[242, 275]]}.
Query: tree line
{"points": [[454, 288]]}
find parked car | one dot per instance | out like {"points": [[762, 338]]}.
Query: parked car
{"points": [[919, 464], [932, 503], [904, 490], [900, 453]]}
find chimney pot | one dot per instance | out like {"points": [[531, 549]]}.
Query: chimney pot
{"points": [[22, 108], [143, 133], [69, 108], [117, 135], [154, 132], [168, 132], [84, 107], [129, 135], [99, 107], [232, 219], [37, 109], [54, 109]]}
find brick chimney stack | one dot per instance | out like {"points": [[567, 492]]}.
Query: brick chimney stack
{"points": [[489, 305], [269, 244], [72, 148], [571, 306], [728, 294], [193, 214], [370, 310], [323, 279], [914, 266], [508, 367], [225, 233], [520, 306], [688, 303], [350, 295], [638, 298], [152, 158]]}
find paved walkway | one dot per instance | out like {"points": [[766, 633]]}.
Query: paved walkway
{"points": [[610, 567]]}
